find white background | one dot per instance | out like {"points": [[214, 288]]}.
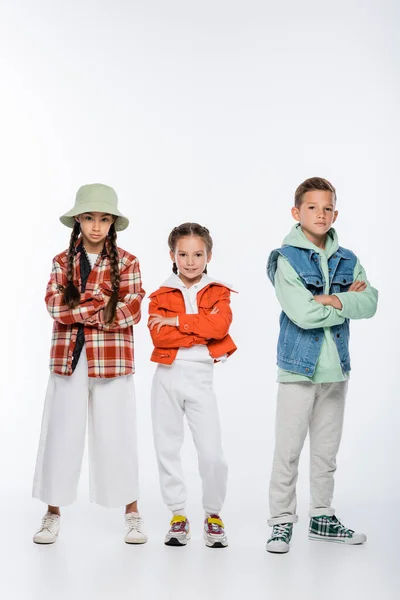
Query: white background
{"points": [[214, 112]]}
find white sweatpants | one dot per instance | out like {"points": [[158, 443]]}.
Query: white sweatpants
{"points": [[113, 464], [302, 407], [186, 387]]}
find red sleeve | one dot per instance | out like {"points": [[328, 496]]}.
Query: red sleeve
{"points": [[128, 311], [209, 326], [88, 306]]}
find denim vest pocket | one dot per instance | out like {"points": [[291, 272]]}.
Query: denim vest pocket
{"points": [[341, 282], [314, 283]]}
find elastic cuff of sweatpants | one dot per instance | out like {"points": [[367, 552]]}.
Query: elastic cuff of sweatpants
{"points": [[176, 508], [322, 512], [284, 519]]}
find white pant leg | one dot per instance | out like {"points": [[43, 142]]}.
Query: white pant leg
{"points": [[167, 417], [202, 414], [325, 434], [113, 457], [62, 438], [293, 413]]}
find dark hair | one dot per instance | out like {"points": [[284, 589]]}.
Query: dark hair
{"points": [[313, 183], [184, 230], [72, 295]]}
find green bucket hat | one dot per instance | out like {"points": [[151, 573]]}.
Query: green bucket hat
{"points": [[96, 197]]}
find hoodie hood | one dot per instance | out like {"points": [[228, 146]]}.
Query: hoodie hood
{"points": [[298, 239]]}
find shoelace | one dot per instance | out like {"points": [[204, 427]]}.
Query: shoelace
{"points": [[339, 526], [49, 521], [280, 531], [133, 523]]}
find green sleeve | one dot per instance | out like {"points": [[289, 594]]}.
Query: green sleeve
{"points": [[298, 303], [359, 305]]}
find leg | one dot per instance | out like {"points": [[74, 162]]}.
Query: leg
{"points": [[113, 442], [202, 414], [294, 407], [325, 434], [62, 438], [167, 416]]}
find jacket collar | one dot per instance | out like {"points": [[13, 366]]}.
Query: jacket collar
{"points": [[174, 283]]}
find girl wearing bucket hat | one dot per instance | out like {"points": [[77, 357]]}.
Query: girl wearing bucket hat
{"points": [[94, 296]]}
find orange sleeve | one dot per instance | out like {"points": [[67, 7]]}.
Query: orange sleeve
{"points": [[170, 336], [209, 326]]}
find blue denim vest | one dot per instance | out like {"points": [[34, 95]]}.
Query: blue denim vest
{"points": [[299, 349]]}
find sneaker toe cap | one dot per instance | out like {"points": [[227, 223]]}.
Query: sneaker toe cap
{"points": [[357, 538], [278, 546], [44, 536], [135, 537]]}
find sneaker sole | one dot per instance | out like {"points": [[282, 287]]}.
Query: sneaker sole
{"points": [[213, 544], [45, 543], [358, 541], [176, 542], [136, 542]]}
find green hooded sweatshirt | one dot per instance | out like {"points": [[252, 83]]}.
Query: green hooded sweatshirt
{"points": [[301, 308]]}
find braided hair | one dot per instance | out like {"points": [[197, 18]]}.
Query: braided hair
{"points": [[184, 230], [72, 295], [111, 308]]}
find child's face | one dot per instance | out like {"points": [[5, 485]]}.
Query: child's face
{"points": [[94, 228], [317, 213], [191, 258]]}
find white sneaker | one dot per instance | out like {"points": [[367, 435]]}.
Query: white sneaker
{"points": [[48, 532], [133, 524]]}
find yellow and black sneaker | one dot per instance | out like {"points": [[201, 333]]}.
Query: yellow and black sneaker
{"points": [[179, 532], [214, 532]]}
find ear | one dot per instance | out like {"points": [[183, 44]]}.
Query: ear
{"points": [[335, 216], [295, 213], [77, 219], [172, 255], [209, 257]]}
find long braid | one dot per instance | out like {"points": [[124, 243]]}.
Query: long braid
{"points": [[72, 295], [111, 308]]}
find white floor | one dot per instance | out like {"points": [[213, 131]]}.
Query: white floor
{"points": [[91, 561]]}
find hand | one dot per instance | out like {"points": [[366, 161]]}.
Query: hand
{"points": [[329, 300], [159, 321], [357, 286]]}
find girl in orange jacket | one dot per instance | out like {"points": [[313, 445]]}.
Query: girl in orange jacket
{"points": [[189, 322]]}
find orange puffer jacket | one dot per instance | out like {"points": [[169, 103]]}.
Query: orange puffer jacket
{"points": [[200, 328]]}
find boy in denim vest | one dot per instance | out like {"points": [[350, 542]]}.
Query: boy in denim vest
{"points": [[320, 286]]}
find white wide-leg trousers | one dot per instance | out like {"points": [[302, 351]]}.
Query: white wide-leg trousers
{"points": [[113, 464]]}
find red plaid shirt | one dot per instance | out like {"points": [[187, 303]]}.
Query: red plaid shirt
{"points": [[109, 348]]}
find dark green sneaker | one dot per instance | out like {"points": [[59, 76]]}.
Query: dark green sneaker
{"points": [[280, 539], [330, 529]]}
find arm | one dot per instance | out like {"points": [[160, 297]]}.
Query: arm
{"points": [[88, 306], [129, 307], [359, 305], [298, 303], [215, 325], [168, 336]]}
